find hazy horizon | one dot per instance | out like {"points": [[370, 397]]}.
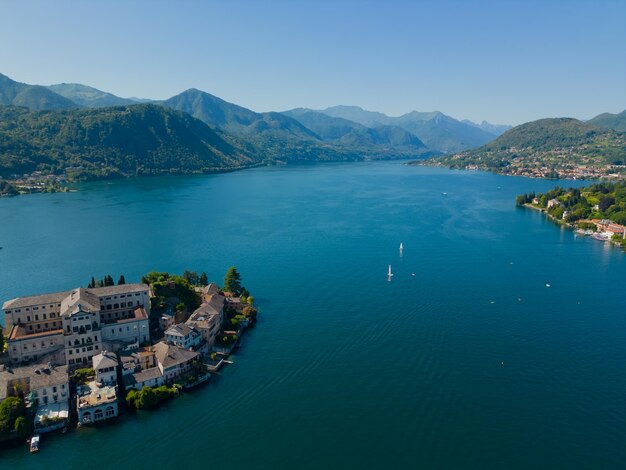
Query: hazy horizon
{"points": [[506, 63]]}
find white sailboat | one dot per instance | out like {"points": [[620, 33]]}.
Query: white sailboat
{"points": [[401, 247], [389, 273]]}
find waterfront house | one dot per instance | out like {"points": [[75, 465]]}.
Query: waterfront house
{"points": [[95, 403], [45, 389], [152, 377], [553, 202], [173, 361], [40, 384]]}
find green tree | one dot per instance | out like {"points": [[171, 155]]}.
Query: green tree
{"points": [[232, 281], [121, 280], [203, 281], [82, 376], [1, 339], [11, 409], [21, 427]]}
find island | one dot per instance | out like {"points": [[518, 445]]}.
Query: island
{"points": [[598, 210], [86, 355]]}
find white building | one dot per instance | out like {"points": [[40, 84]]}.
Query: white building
{"points": [[73, 326], [173, 361], [40, 384], [208, 318], [183, 336], [45, 389], [105, 367], [94, 403]]}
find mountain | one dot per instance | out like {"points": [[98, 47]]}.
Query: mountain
{"points": [[348, 133], [435, 129], [557, 147], [617, 122], [87, 96], [31, 96], [495, 129], [278, 135], [104, 142], [357, 114]]}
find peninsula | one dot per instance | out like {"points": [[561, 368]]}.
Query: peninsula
{"points": [[85, 355], [548, 148]]}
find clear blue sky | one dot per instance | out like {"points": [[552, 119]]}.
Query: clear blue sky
{"points": [[503, 61]]}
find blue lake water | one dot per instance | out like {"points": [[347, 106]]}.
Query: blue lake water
{"points": [[469, 363]]}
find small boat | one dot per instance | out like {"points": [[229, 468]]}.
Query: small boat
{"points": [[34, 444], [548, 285], [401, 247], [389, 273], [444, 194]]}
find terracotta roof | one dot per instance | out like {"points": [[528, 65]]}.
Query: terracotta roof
{"points": [[19, 332]]}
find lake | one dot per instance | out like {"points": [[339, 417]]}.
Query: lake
{"points": [[464, 360]]}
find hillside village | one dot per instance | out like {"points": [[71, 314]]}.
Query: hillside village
{"points": [[80, 356]]}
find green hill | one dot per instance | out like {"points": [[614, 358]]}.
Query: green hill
{"points": [[31, 96], [558, 147], [617, 122], [89, 97], [139, 139], [281, 137]]}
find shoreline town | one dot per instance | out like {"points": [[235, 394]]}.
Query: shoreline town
{"points": [[79, 357]]}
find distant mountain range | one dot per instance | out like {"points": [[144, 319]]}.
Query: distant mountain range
{"points": [[31, 96], [435, 129], [88, 97], [72, 125]]}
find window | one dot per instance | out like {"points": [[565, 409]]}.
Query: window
{"points": [[36, 317], [27, 317], [54, 389]]}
